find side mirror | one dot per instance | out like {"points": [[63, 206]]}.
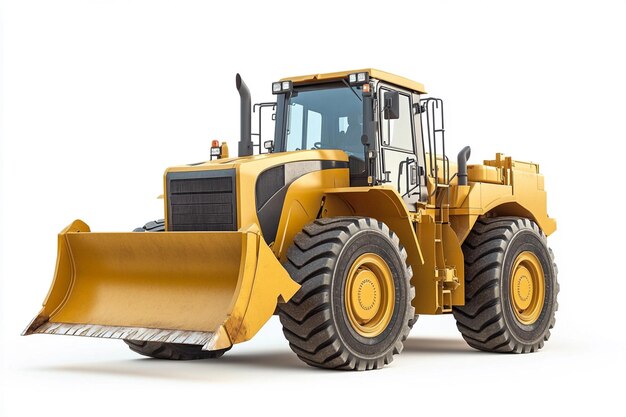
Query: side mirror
{"points": [[392, 105]]}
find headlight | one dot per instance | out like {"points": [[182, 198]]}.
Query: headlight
{"points": [[281, 87], [359, 78]]}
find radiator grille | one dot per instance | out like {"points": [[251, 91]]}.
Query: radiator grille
{"points": [[202, 201]]}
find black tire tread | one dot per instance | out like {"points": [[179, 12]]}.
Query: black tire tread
{"points": [[481, 320], [172, 351], [306, 319], [152, 226]]}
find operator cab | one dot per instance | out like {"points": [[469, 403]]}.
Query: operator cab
{"points": [[373, 116]]}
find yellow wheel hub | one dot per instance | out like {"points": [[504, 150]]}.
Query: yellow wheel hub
{"points": [[369, 295], [527, 288]]}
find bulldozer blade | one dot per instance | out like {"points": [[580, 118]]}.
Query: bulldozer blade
{"points": [[204, 288]]}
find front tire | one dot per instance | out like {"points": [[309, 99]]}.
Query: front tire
{"points": [[510, 287], [173, 351], [153, 226], [354, 310]]}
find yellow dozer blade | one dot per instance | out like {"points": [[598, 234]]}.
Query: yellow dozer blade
{"points": [[204, 288]]}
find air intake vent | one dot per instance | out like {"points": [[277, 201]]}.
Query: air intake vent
{"points": [[202, 201]]}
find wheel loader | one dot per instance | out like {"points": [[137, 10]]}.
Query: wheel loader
{"points": [[348, 223]]}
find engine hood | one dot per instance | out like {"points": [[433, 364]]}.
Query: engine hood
{"points": [[263, 161], [232, 194]]}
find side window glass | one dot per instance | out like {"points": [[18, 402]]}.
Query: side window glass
{"points": [[393, 161], [397, 133], [398, 145], [313, 129], [294, 129], [343, 124]]}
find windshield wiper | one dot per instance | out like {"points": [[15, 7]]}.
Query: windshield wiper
{"points": [[352, 89]]}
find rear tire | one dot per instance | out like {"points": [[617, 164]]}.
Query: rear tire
{"points": [[161, 350], [354, 310], [510, 287]]}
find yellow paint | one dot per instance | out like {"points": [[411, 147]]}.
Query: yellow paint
{"points": [[303, 202], [224, 150], [483, 173], [381, 203], [527, 288], [191, 281], [248, 169], [369, 295], [501, 187], [374, 73], [430, 287], [229, 283]]}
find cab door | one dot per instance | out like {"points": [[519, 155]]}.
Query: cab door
{"points": [[402, 164]]}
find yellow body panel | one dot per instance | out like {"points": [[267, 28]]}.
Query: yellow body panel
{"points": [[302, 204], [219, 288], [374, 73], [249, 167], [500, 187], [429, 290], [483, 173]]}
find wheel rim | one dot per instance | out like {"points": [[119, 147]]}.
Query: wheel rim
{"points": [[527, 288], [369, 295]]}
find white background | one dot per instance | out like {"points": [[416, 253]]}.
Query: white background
{"points": [[99, 97]]}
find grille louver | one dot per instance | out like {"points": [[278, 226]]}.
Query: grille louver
{"points": [[202, 201]]}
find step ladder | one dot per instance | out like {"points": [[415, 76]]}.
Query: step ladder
{"points": [[431, 114], [445, 274]]}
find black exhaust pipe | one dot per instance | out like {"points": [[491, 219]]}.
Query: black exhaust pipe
{"points": [[461, 160], [245, 140]]}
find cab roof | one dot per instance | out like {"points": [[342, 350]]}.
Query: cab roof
{"points": [[374, 73]]}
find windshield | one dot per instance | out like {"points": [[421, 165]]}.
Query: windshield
{"points": [[326, 117]]}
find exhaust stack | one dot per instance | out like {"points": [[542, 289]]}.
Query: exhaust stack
{"points": [[462, 158], [245, 140]]}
